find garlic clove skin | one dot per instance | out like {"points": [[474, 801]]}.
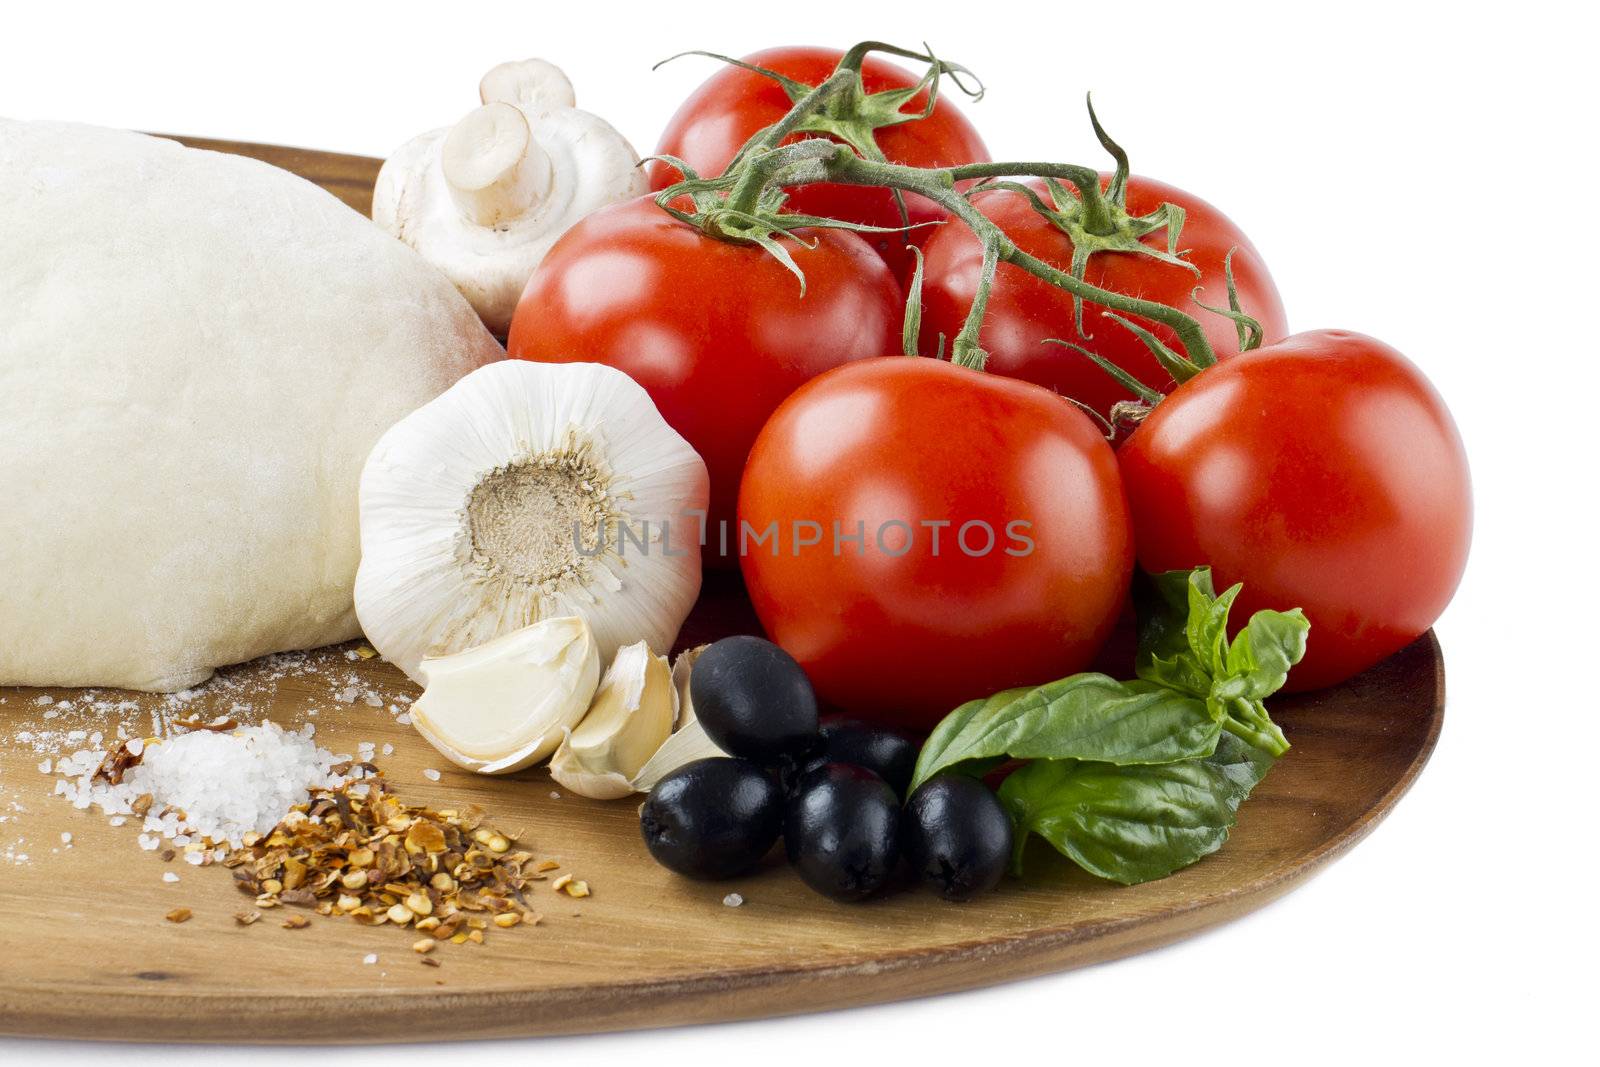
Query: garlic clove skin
{"points": [[629, 720], [687, 744], [681, 669], [506, 704], [689, 741], [474, 509], [564, 164]]}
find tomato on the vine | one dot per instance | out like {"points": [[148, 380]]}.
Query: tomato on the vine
{"points": [[717, 332], [1323, 472], [1023, 310], [934, 534], [734, 104]]}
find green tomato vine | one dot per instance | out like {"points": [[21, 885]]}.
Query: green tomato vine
{"points": [[836, 121]]}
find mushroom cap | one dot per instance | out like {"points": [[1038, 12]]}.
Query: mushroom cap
{"points": [[589, 164]]}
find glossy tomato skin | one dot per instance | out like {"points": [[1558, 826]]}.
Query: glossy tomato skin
{"points": [[733, 105], [1023, 311], [716, 332], [901, 633], [1323, 472]]}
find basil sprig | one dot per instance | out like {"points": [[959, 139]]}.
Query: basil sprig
{"points": [[1134, 780], [1183, 645]]}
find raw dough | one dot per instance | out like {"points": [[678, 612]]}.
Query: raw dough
{"points": [[197, 352]]}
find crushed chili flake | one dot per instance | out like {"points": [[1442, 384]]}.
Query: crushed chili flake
{"points": [[118, 761], [358, 851]]}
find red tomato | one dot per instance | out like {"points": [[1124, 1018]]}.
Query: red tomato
{"points": [[1023, 310], [733, 105], [716, 332], [1322, 472], [896, 627]]}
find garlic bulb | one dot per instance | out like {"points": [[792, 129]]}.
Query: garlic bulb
{"points": [[630, 718], [528, 491], [506, 704]]}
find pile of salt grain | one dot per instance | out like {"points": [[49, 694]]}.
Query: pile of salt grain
{"points": [[206, 785]]}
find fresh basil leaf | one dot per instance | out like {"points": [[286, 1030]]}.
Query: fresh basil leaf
{"points": [[1181, 634], [1181, 672], [1094, 717], [1270, 644], [1242, 764], [1126, 824], [1161, 602], [1086, 717], [1134, 823], [937, 749], [1207, 625]]}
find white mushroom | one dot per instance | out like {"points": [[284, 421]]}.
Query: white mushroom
{"points": [[485, 199]]}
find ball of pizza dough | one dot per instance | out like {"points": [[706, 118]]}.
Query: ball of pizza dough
{"points": [[197, 353]]}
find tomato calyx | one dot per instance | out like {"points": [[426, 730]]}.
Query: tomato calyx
{"points": [[762, 222], [847, 112], [1096, 221], [746, 202], [850, 113]]}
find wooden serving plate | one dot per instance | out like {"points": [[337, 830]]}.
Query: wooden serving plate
{"points": [[85, 951]]}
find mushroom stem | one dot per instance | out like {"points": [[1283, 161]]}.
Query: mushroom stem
{"points": [[493, 167]]}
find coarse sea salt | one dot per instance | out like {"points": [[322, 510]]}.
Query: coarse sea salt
{"points": [[207, 785], [75, 730]]}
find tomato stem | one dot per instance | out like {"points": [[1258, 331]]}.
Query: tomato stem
{"points": [[1253, 726], [846, 168], [745, 202]]}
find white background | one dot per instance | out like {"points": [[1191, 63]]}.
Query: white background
{"points": [[1417, 173]]}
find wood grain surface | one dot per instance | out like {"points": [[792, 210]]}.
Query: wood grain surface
{"points": [[85, 951]]}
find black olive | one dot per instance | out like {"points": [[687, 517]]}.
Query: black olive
{"points": [[754, 700], [842, 831], [712, 818], [957, 836], [885, 753]]}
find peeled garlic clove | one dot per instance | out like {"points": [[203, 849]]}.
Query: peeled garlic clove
{"points": [[506, 704], [689, 741], [529, 491], [630, 718]]}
